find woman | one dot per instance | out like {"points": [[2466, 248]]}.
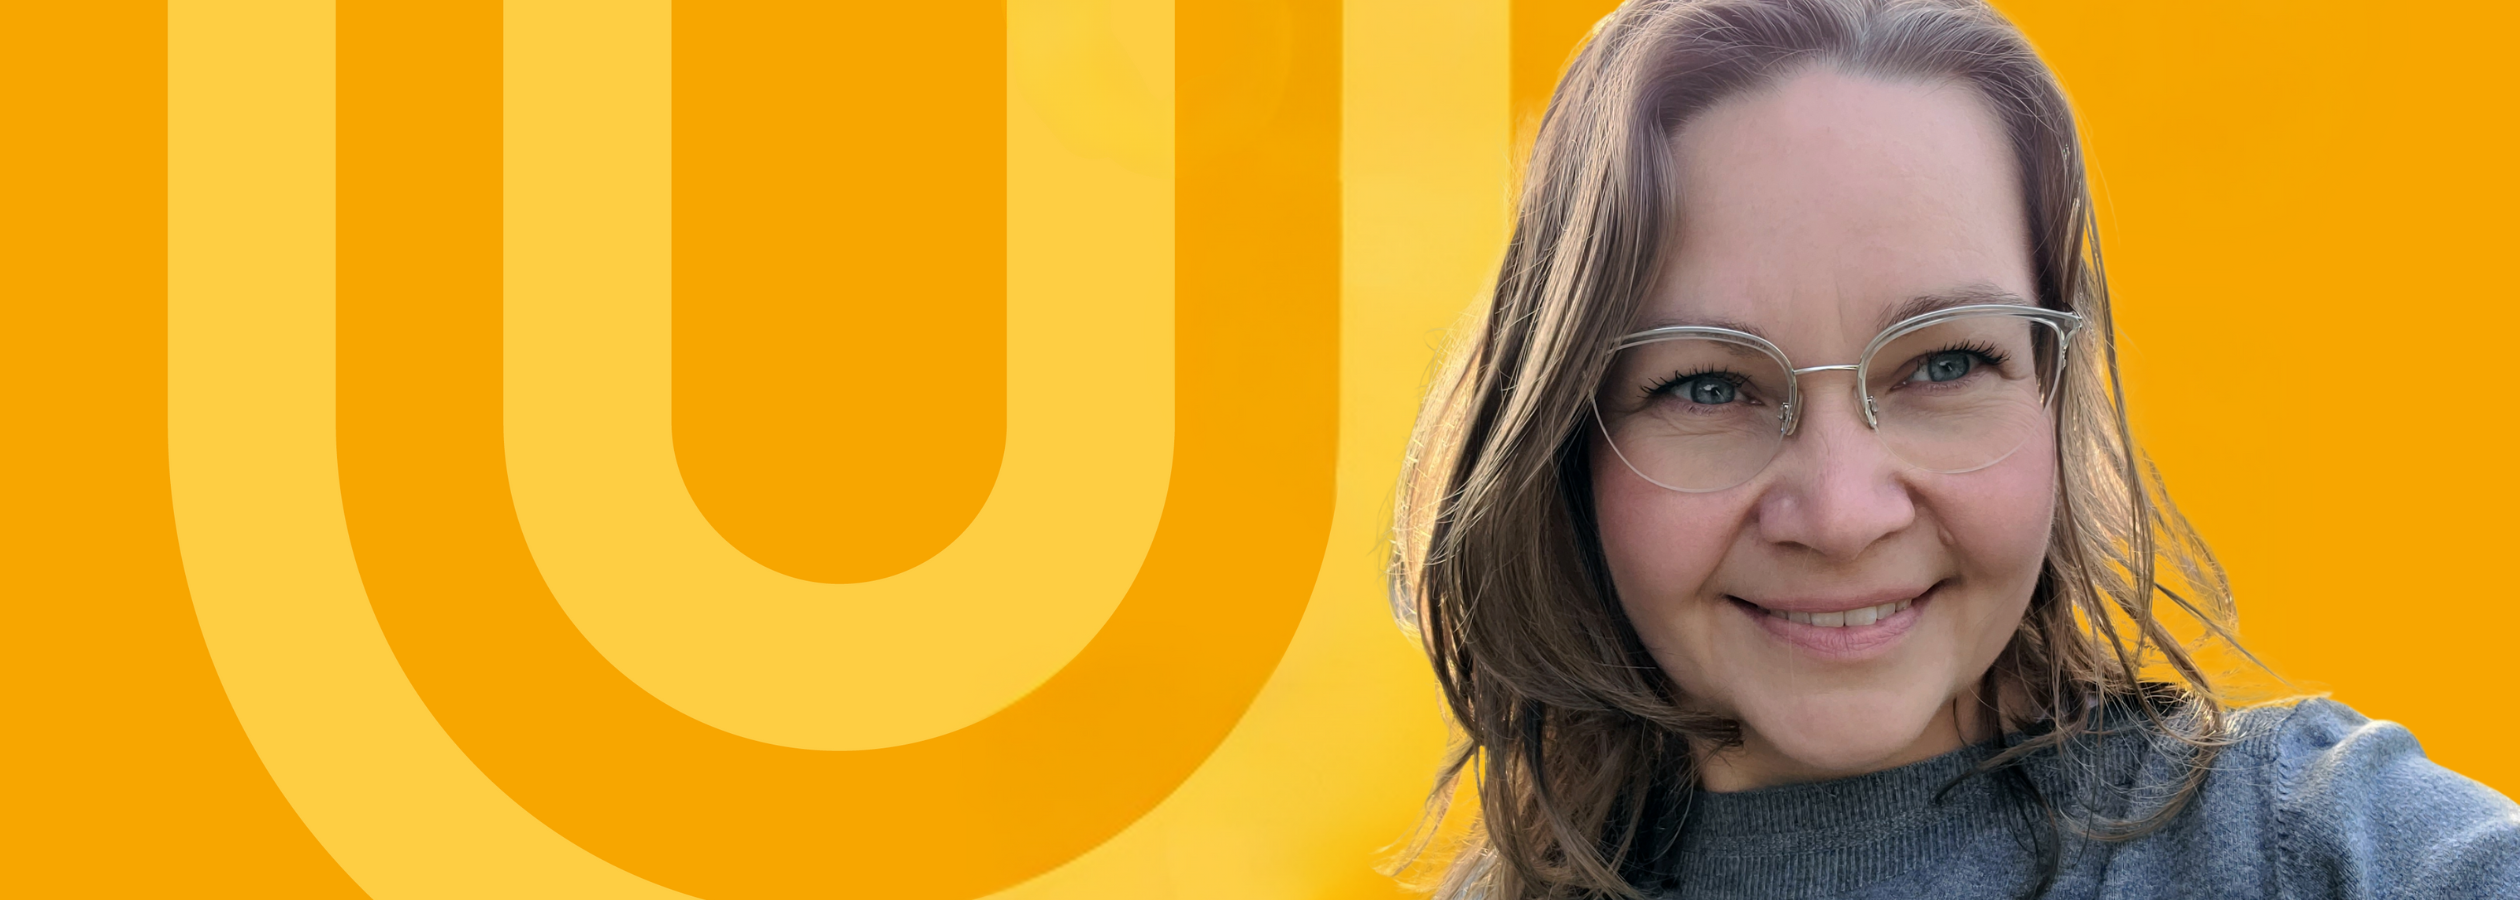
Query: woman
{"points": [[1777, 531]]}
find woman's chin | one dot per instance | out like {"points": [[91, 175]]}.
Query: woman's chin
{"points": [[1821, 739]]}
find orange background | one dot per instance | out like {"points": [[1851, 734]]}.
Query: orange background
{"points": [[2270, 176]]}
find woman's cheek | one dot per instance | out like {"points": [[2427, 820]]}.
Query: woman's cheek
{"points": [[1662, 546], [1999, 520]]}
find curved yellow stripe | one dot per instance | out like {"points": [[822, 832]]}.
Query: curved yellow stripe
{"points": [[1328, 763], [128, 774], [250, 440], [1329, 767], [590, 414], [424, 489]]}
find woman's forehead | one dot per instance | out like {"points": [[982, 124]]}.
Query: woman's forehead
{"points": [[1841, 203]]}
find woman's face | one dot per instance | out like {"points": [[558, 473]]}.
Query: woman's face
{"points": [[1811, 213]]}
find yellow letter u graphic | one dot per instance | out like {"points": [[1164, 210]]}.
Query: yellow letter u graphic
{"points": [[424, 476]]}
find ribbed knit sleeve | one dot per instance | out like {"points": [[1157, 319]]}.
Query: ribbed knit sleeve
{"points": [[2360, 813]]}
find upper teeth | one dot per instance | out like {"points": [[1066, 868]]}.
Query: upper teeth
{"points": [[1852, 617]]}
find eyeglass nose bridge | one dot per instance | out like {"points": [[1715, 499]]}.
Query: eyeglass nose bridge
{"points": [[1793, 405]]}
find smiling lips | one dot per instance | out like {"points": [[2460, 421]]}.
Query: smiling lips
{"points": [[1853, 618], [1841, 634]]}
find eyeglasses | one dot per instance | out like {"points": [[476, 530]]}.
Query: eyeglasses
{"points": [[1696, 409]]}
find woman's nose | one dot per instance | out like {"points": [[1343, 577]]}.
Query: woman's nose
{"points": [[1837, 489]]}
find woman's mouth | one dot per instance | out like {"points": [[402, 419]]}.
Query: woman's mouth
{"points": [[1846, 633], [1853, 618]]}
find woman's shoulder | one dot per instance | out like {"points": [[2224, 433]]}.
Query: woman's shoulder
{"points": [[2314, 751], [2356, 809]]}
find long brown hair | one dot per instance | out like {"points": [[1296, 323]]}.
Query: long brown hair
{"points": [[1573, 738]]}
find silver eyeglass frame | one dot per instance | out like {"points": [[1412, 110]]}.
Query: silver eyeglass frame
{"points": [[2064, 324]]}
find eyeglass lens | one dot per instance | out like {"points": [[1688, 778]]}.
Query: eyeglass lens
{"points": [[1708, 412]]}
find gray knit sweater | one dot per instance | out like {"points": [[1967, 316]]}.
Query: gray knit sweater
{"points": [[2312, 801]]}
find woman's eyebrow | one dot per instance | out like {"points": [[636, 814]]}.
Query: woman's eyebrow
{"points": [[1700, 322], [1964, 295]]}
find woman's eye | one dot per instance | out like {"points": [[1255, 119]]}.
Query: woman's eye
{"points": [[1707, 390], [1945, 366]]}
